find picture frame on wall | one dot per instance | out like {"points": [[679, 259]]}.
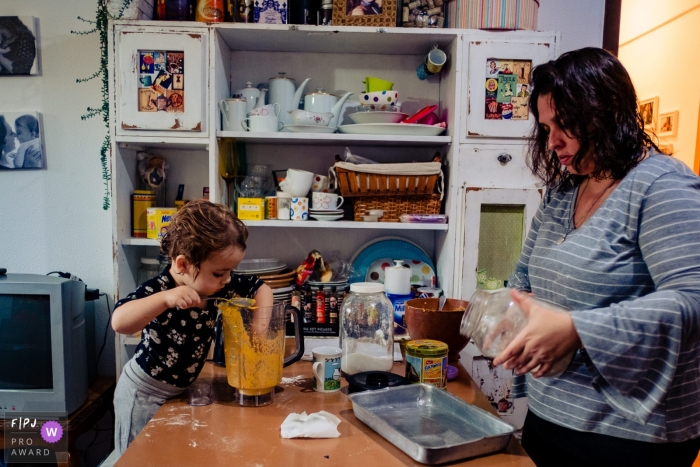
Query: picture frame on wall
{"points": [[649, 109], [364, 12], [668, 124], [22, 146], [19, 46]]}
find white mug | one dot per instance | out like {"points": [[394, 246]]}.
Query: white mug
{"points": [[326, 201], [297, 182], [326, 368], [284, 201], [299, 209], [321, 183], [232, 114], [260, 124], [266, 110]]}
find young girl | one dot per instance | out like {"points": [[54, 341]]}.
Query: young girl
{"points": [[176, 318]]}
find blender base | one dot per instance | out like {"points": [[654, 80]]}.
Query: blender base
{"points": [[254, 400]]}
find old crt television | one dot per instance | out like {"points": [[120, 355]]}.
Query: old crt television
{"points": [[43, 364]]}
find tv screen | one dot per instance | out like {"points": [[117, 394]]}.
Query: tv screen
{"points": [[25, 342]]}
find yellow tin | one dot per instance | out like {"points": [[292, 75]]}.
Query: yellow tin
{"points": [[426, 362], [251, 209], [141, 200], [158, 219]]}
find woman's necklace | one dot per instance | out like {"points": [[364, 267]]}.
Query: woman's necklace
{"points": [[572, 221]]}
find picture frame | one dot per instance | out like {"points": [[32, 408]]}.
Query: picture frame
{"points": [[19, 46], [649, 110], [668, 124], [22, 145], [356, 13]]}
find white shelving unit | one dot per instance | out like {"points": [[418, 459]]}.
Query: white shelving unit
{"points": [[337, 59]]}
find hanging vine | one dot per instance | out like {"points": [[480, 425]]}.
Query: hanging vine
{"points": [[101, 27]]}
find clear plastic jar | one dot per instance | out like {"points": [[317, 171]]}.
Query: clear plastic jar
{"points": [[492, 321], [367, 329], [149, 269]]}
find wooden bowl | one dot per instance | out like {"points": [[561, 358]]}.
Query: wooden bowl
{"points": [[423, 321]]}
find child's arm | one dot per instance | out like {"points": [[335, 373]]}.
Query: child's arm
{"points": [[263, 296], [134, 315]]}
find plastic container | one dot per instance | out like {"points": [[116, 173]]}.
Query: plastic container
{"points": [[426, 362], [150, 268], [397, 285], [492, 321], [367, 329]]}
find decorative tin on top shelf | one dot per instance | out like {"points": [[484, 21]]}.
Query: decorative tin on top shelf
{"points": [[161, 80], [271, 11], [364, 13]]}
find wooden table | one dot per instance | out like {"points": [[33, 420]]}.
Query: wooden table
{"points": [[223, 433], [99, 400]]}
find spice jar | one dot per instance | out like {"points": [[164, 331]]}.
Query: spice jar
{"points": [[492, 321], [367, 326], [426, 362]]}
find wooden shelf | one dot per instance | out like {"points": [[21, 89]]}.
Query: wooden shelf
{"points": [[164, 142], [335, 138]]}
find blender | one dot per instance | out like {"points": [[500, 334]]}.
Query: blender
{"points": [[254, 343]]}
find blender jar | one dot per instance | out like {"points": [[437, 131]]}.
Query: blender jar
{"points": [[367, 329]]}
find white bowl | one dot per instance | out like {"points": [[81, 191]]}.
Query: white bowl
{"points": [[370, 218], [377, 117], [304, 117]]}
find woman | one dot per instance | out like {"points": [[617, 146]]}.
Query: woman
{"points": [[616, 240], [7, 145]]}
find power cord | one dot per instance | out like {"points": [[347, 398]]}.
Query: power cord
{"points": [[104, 337]]}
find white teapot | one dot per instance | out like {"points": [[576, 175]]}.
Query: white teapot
{"points": [[254, 97], [323, 102], [283, 92]]}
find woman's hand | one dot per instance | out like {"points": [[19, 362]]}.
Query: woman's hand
{"points": [[182, 297], [549, 336]]}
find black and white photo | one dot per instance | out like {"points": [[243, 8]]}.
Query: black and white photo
{"points": [[21, 143], [18, 46]]}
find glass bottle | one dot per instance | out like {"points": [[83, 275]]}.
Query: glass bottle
{"points": [[367, 329], [320, 306], [333, 306], [308, 304], [493, 319]]}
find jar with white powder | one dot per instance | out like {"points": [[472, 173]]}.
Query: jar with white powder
{"points": [[367, 329]]}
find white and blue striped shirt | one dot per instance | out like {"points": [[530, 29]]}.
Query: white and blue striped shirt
{"points": [[631, 277]]}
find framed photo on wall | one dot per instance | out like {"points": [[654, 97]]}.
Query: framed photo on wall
{"points": [[649, 110], [19, 47], [668, 124], [364, 12], [21, 141]]}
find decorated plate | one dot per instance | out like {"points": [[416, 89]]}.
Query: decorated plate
{"points": [[422, 273]]}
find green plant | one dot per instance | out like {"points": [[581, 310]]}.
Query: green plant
{"points": [[100, 26]]}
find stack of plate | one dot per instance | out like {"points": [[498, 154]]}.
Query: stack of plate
{"points": [[339, 285], [326, 215], [279, 280], [260, 266], [283, 294]]}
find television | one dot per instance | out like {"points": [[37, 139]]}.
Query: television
{"points": [[43, 363]]}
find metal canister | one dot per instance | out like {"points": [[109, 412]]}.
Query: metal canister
{"points": [[426, 362], [325, 14], [141, 200]]}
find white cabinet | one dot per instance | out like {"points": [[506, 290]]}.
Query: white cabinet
{"points": [[336, 59]]}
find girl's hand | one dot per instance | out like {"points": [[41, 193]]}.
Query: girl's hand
{"points": [[548, 336], [182, 297]]}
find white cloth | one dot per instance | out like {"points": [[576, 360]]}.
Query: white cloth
{"points": [[317, 425], [406, 168]]}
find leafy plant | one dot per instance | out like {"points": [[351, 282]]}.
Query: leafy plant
{"points": [[102, 18]]}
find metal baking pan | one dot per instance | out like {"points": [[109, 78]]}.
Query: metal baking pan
{"points": [[430, 424]]}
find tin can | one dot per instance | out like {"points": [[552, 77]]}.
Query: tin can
{"points": [[270, 207], [325, 15], [141, 200], [210, 11], [158, 220], [426, 362]]}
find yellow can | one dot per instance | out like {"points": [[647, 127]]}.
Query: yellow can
{"points": [[158, 220], [251, 209], [426, 362], [141, 200]]}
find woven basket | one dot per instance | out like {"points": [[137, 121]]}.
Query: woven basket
{"points": [[365, 184], [394, 206]]}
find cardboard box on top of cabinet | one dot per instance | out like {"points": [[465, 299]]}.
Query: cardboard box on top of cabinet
{"points": [[251, 209]]}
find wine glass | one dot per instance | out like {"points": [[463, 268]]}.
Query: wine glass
{"points": [[229, 165]]}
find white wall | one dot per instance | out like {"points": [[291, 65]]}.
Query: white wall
{"points": [[659, 55], [53, 219]]}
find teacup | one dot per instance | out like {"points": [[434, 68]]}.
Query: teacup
{"points": [[297, 182], [326, 368], [326, 201], [262, 124], [266, 110], [321, 183]]}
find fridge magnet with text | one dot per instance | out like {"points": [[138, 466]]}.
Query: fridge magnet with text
{"points": [[159, 61], [506, 88], [493, 109], [505, 67], [523, 90], [146, 61], [19, 47], [506, 110], [491, 87], [668, 124], [492, 67], [179, 82], [21, 141], [521, 110], [176, 101], [521, 68], [147, 100], [175, 62]]}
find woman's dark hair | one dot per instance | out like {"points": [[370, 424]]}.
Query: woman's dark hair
{"points": [[201, 228], [595, 102]]}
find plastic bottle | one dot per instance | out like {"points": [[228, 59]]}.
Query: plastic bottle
{"points": [[397, 287]]}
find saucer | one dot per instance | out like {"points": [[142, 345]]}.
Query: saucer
{"points": [[309, 129], [325, 212], [326, 218]]}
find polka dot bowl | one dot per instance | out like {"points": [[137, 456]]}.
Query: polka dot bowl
{"points": [[379, 98]]}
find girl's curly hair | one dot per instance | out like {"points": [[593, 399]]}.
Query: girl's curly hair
{"points": [[594, 102], [201, 228]]}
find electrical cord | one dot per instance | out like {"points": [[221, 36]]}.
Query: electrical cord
{"points": [[104, 337]]}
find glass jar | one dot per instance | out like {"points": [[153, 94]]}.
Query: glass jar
{"points": [[164, 263], [148, 270], [492, 321], [367, 329]]}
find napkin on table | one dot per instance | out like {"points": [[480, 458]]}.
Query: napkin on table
{"points": [[317, 425]]}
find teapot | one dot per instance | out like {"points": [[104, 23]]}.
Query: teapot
{"points": [[283, 92], [254, 97], [322, 102]]}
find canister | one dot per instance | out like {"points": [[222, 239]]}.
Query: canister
{"points": [[251, 209], [141, 200], [158, 220], [270, 207], [426, 362]]}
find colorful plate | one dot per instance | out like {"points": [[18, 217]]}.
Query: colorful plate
{"points": [[422, 273], [382, 248]]}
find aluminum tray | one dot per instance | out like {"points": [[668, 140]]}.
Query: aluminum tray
{"points": [[430, 424]]}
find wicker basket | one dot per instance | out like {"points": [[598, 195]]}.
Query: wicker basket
{"points": [[394, 206]]}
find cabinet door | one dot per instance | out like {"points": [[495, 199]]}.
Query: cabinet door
{"points": [[494, 166], [494, 224], [161, 80], [498, 85]]}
